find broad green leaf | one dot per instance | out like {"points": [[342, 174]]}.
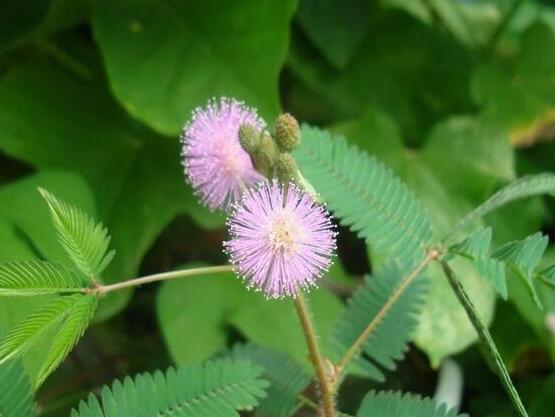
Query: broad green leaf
{"points": [[336, 28], [85, 241], [392, 315], [185, 52], [71, 330], [270, 323], [219, 388], [16, 395], [146, 185], [518, 95], [287, 377], [31, 278], [396, 404], [391, 72], [364, 194], [39, 325]]}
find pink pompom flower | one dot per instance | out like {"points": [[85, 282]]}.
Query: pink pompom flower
{"points": [[281, 240], [215, 163]]}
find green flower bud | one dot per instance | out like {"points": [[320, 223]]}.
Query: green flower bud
{"points": [[265, 154], [286, 169], [249, 138], [287, 132]]}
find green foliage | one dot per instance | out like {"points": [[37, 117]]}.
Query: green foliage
{"points": [[219, 388], [62, 320], [70, 331], [270, 323], [16, 398], [364, 194], [523, 257], [85, 241], [35, 277], [521, 188], [476, 246], [395, 404], [287, 378], [241, 44], [391, 308]]}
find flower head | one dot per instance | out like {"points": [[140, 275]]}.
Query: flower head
{"points": [[217, 166], [281, 240]]}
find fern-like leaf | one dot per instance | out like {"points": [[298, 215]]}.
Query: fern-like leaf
{"points": [[364, 194], [523, 257], [287, 379], [476, 247], [527, 186], [71, 329], [395, 404], [547, 276], [218, 388], [36, 277], [16, 398], [390, 309], [38, 326], [85, 241]]}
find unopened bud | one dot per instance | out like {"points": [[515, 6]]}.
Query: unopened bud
{"points": [[248, 138], [265, 154], [286, 169], [287, 132]]}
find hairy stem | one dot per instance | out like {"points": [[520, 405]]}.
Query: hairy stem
{"points": [[356, 347], [316, 358], [163, 276], [485, 338]]}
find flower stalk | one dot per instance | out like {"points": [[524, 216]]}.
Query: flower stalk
{"points": [[323, 379]]}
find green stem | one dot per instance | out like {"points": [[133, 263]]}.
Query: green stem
{"points": [[163, 276], [316, 358], [485, 338]]}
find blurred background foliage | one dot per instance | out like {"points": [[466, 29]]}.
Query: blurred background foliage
{"points": [[458, 97]]}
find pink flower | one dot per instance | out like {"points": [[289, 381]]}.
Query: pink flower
{"points": [[281, 240], [217, 166]]}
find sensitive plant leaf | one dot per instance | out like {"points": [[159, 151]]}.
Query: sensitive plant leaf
{"points": [[548, 275], [39, 325], [390, 309], [287, 377], [396, 404], [494, 272], [36, 277], [364, 194], [85, 241], [71, 330], [523, 257], [217, 388], [476, 247], [16, 395], [521, 188]]}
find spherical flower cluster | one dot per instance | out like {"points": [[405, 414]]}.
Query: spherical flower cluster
{"points": [[281, 240], [216, 165]]}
